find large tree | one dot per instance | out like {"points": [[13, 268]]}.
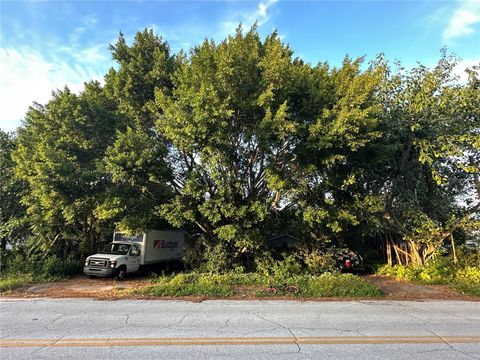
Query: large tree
{"points": [[136, 160], [59, 155], [431, 126], [231, 123], [239, 141], [331, 189], [13, 225]]}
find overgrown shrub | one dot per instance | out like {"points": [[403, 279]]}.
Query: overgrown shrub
{"points": [[468, 256], [54, 266], [18, 263], [264, 262], [468, 273], [260, 285], [317, 263], [8, 283], [18, 269], [216, 259], [467, 287], [279, 269], [193, 256], [463, 276], [338, 285], [188, 284]]}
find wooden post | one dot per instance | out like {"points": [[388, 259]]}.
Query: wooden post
{"points": [[399, 259], [407, 253], [389, 251], [455, 260]]}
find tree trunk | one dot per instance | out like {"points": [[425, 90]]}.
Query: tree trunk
{"points": [[389, 251], [454, 252], [476, 178], [397, 254]]}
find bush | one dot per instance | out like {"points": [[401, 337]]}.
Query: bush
{"points": [[438, 271], [264, 263], [318, 263], [255, 284], [467, 287], [216, 259], [339, 285], [469, 273], [39, 266], [9, 283], [463, 277], [468, 256], [186, 285], [54, 266], [279, 269], [467, 280]]}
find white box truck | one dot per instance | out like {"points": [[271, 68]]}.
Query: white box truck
{"points": [[129, 253]]}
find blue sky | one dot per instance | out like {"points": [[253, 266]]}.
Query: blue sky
{"points": [[45, 45]]}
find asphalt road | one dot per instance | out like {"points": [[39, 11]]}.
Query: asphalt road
{"points": [[146, 329]]}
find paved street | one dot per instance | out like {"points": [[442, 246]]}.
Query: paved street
{"points": [[146, 329]]}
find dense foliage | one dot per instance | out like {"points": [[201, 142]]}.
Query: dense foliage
{"points": [[464, 276], [261, 286], [238, 142], [19, 269]]}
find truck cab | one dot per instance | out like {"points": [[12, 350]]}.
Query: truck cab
{"points": [[127, 253], [120, 259]]}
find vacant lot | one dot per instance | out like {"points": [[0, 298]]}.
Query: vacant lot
{"points": [[107, 288]]}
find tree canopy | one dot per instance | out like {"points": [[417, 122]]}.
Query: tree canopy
{"points": [[239, 141]]}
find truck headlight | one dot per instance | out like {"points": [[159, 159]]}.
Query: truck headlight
{"points": [[113, 264], [87, 262]]}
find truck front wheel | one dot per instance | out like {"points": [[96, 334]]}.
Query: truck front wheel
{"points": [[122, 270]]}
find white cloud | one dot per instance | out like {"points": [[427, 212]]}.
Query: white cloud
{"points": [[459, 70], [32, 65], [91, 55], [27, 76], [88, 23], [31, 73], [183, 36], [260, 15], [464, 21], [263, 8]]}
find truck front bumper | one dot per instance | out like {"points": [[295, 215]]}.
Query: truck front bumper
{"points": [[99, 272]]}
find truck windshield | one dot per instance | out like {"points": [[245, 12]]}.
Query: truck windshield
{"points": [[120, 249]]}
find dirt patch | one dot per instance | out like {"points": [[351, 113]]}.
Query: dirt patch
{"points": [[395, 289], [81, 286], [108, 288]]}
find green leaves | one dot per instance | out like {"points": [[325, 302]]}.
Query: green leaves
{"points": [[59, 157], [13, 227], [229, 132], [238, 142]]}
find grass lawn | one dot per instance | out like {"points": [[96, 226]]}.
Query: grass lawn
{"points": [[255, 285], [11, 282]]}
